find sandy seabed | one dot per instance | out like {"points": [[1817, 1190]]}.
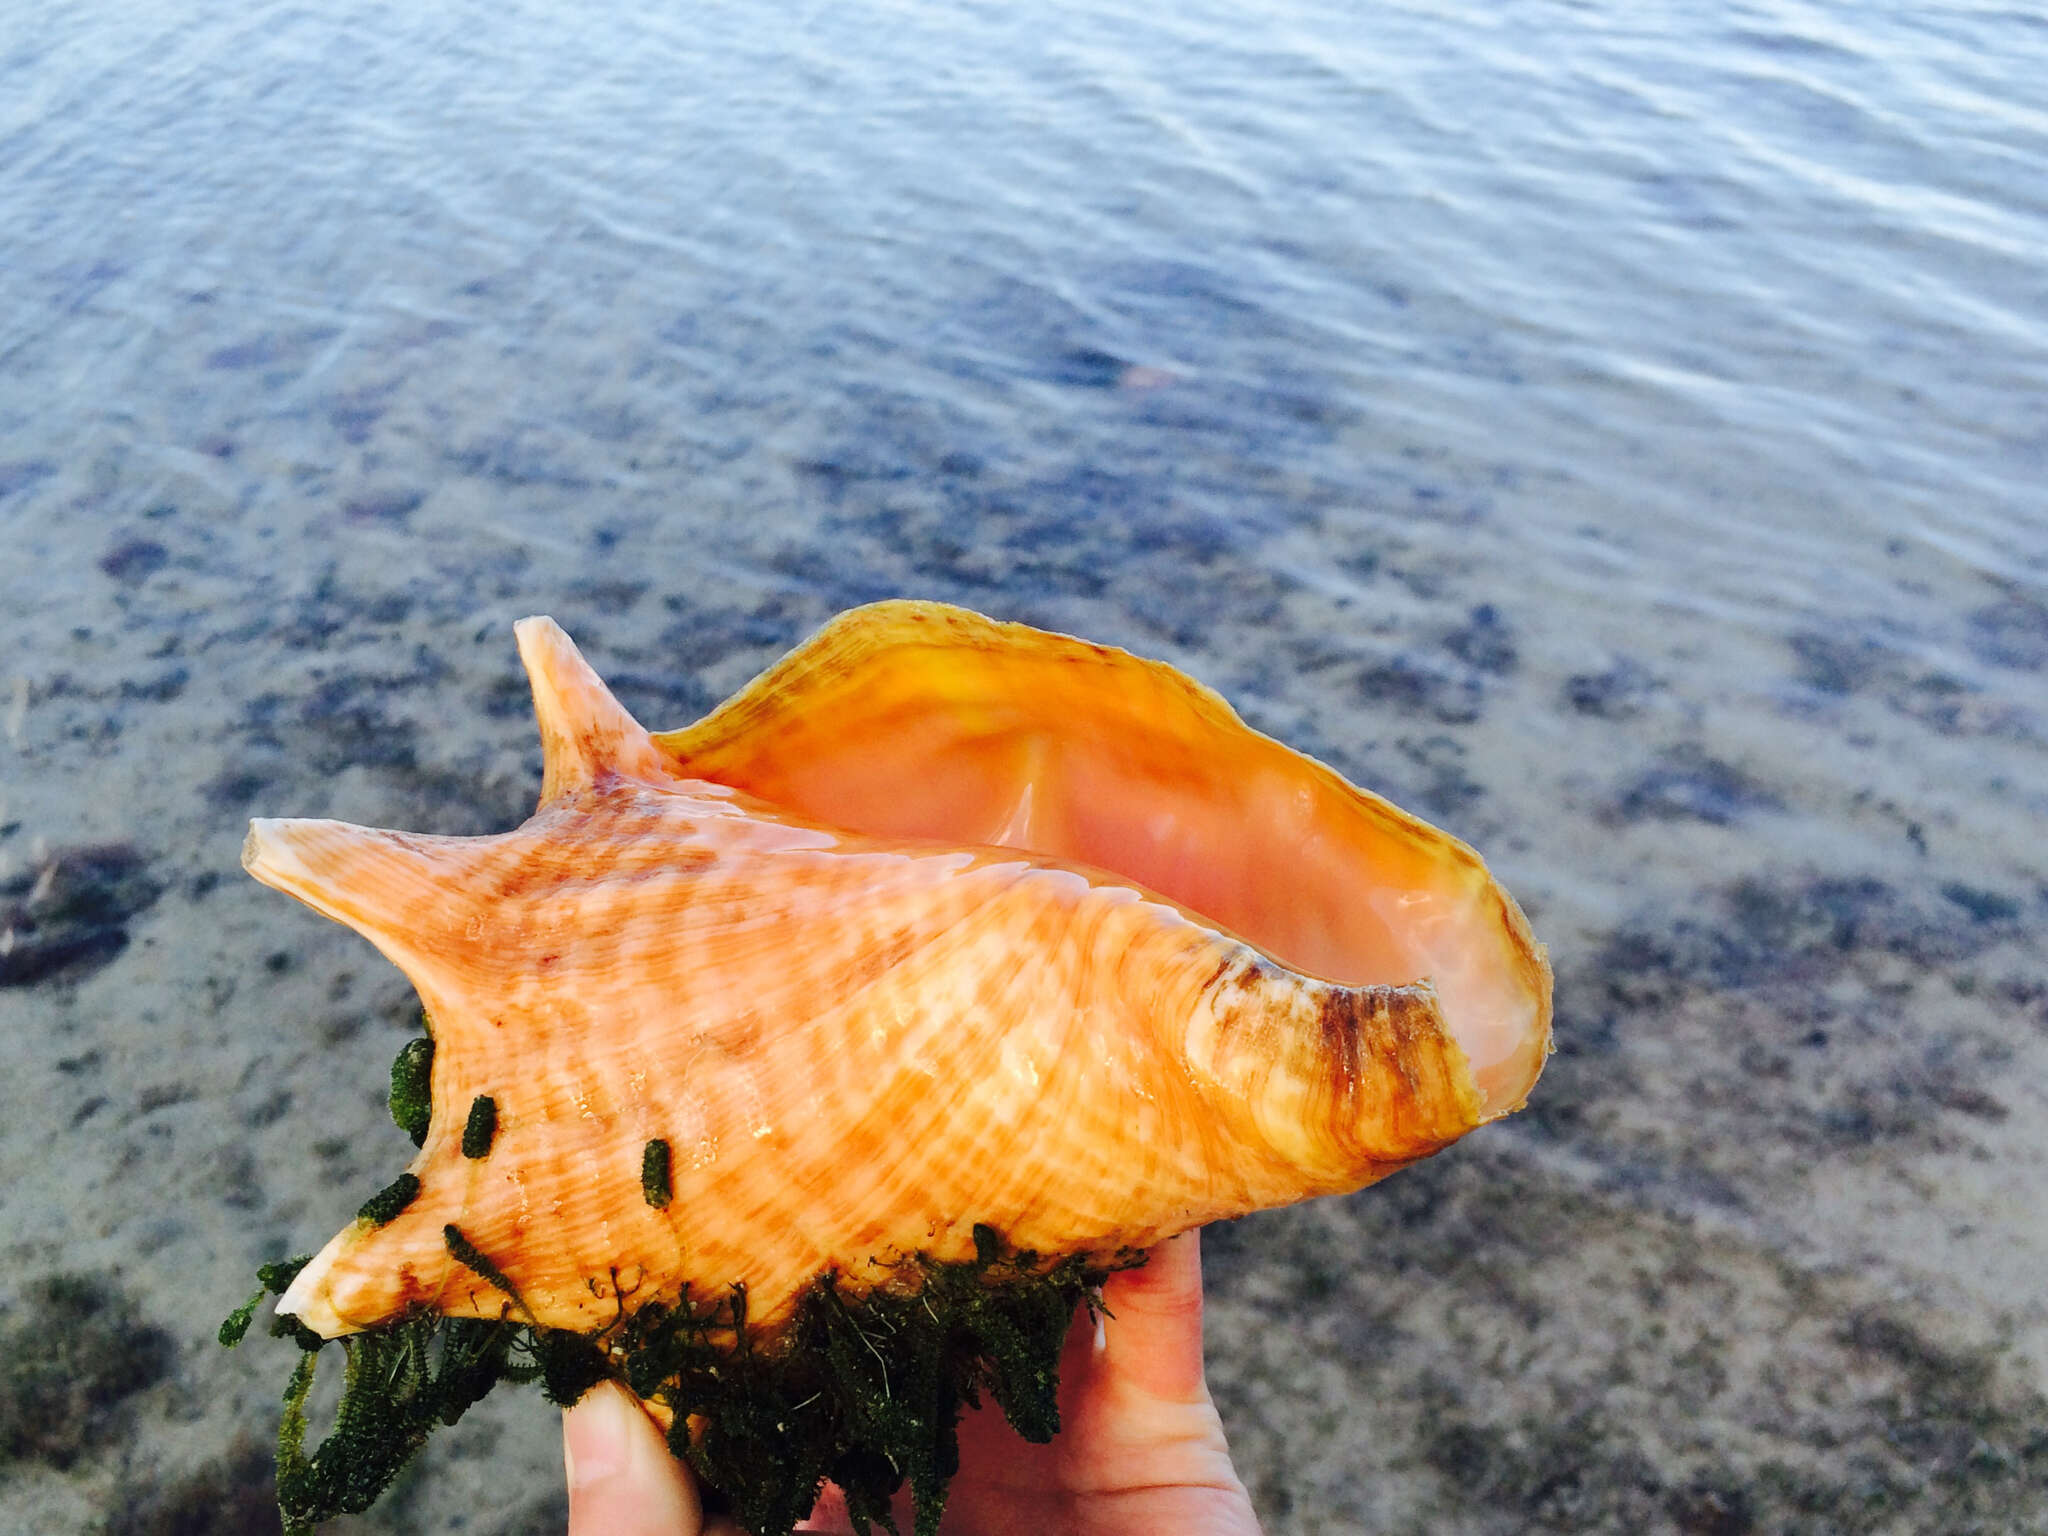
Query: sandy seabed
{"points": [[1763, 1254]]}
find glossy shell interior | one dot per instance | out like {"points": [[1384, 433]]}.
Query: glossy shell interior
{"points": [[920, 720]]}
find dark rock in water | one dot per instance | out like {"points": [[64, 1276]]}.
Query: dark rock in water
{"points": [[1619, 693], [614, 596], [2012, 633], [161, 689], [391, 507], [68, 916], [135, 560], [1983, 906], [1707, 1508], [233, 1495], [1687, 784], [1448, 790], [353, 419], [1832, 664], [1423, 685], [258, 353], [851, 465], [21, 474], [346, 715], [235, 1179], [703, 636], [232, 788], [271, 348], [40, 957], [388, 608], [71, 1354], [1089, 367], [1484, 642], [663, 695]]}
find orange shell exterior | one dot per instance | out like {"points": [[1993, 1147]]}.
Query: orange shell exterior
{"points": [[940, 922]]}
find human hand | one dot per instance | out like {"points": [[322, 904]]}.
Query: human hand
{"points": [[622, 1479], [1140, 1447]]}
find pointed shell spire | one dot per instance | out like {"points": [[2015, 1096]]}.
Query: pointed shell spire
{"points": [[915, 933], [585, 733]]}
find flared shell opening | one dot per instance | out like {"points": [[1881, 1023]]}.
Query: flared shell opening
{"points": [[916, 720]]}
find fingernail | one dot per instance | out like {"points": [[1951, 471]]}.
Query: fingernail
{"points": [[597, 1436]]}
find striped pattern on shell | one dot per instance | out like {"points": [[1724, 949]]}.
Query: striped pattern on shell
{"points": [[939, 922]]}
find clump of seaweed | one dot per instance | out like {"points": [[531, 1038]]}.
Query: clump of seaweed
{"points": [[412, 1100], [865, 1388]]}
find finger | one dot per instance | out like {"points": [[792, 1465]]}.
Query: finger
{"points": [[622, 1479], [829, 1516], [1153, 1336]]}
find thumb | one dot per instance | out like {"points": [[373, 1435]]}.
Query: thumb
{"points": [[1153, 1338], [622, 1479]]}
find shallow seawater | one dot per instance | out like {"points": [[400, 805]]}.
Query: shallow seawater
{"points": [[1616, 432]]}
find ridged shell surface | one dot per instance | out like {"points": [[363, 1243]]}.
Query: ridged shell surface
{"points": [[922, 930]]}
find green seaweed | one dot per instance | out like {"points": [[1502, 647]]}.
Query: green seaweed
{"points": [[466, 1253], [390, 1200], [481, 1129], [862, 1386], [412, 1104], [654, 1174], [401, 1382], [272, 1280]]}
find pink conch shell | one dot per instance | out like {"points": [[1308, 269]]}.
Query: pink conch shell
{"points": [[939, 922]]}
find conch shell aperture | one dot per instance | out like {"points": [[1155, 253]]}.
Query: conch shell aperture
{"points": [[939, 923]]}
